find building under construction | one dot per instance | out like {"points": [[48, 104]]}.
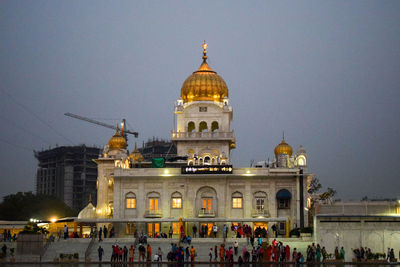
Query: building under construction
{"points": [[157, 148], [69, 173]]}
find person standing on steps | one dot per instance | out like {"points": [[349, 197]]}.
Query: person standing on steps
{"points": [[100, 231], [194, 231], [149, 252], [159, 253], [65, 231], [225, 231], [105, 231], [170, 232], [192, 255], [131, 253], [125, 254], [100, 250], [235, 246], [215, 230]]}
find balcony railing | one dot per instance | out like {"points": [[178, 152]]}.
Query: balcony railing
{"points": [[203, 135], [204, 213], [259, 213], [153, 213]]}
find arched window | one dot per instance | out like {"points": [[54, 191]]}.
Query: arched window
{"points": [[214, 126], [191, 126], [203, 126], [283, 196], [301, 161], [206, 202], [153, 201], [260, 199], [237, 200], [130, 201], [176, 200], [207, 160]]}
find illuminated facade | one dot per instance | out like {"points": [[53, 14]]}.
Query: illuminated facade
{"points": [[204, 188]]}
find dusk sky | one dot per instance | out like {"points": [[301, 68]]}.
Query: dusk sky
{"points": [[327, 73]]}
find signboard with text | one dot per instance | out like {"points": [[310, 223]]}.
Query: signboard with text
{"points": [[207, 169]]}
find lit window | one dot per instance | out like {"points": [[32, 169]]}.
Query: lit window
{"points": [[175, 228], [130, 228], [176, 203], [153, 203], [206, 203], [131, 203], [237, 202]]}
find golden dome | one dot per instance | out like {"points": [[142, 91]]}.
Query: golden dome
{"points": [[117, 141], [135, 155], [283, 148], [204, 84]]}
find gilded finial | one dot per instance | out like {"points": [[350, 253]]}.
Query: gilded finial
{"points": [[90, 198], [204, 45], [135, 147], [283, 135]]}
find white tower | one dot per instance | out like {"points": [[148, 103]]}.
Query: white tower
{"points": [[203, 118]]}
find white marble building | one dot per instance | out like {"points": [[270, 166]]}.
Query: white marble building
{"points": [[203, 187]]}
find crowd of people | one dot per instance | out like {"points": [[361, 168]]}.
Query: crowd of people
{"points": [[177, 254], [180, 254], [8, 237], [363, 254]]}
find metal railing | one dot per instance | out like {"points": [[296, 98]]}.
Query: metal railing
{"points": [[153, 213], [46, 246], [206, 213], [89, 248], [203, 135], [260, 212]]}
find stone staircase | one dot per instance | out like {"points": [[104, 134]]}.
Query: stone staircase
{"points": [[68, 246], [202, 245]]}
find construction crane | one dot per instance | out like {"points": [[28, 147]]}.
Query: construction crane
{"points": [[123, 129]]}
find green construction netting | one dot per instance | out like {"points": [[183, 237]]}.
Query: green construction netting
{"points": [[157, 163]]}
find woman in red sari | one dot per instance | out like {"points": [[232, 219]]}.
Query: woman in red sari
{"points": [[276, 255], [287, 250], [269, 252]]}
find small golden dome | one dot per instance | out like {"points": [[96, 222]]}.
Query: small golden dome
{"points": [[117, 141], [283, 148], [136, 155], [204, 84]]}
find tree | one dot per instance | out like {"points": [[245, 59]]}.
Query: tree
{"points": [[25, 205], [316, 197], [314, 186]]}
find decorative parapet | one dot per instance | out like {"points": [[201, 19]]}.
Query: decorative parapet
{"points": [[204, 213], [260, 213], [183, 136], [153, 214]]}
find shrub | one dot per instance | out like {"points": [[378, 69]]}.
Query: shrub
{"points": [[295, 231]]}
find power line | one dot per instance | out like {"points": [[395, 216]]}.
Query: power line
{"points": [[37, 117], [14, 145], [24, 130]]}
